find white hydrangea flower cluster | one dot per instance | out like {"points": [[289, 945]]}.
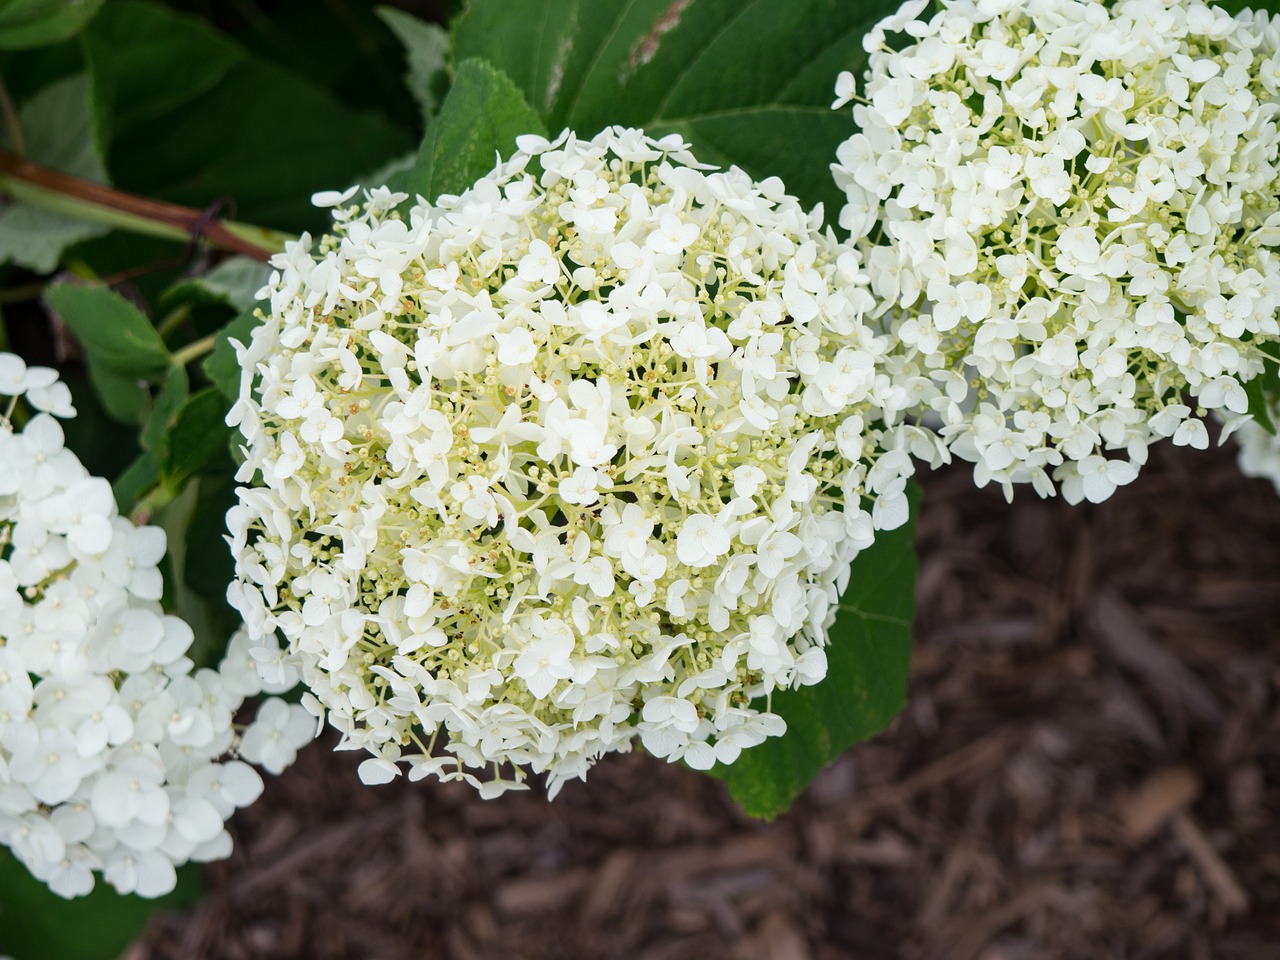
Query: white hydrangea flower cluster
{"points": [[1069, 214], [109, 740], [578, 456]]}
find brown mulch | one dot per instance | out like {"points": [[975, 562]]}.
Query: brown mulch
{"points": [[1089, 768]]}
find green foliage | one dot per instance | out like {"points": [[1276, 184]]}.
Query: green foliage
{"points": [[231, 283], [264, 137], [221, 366], [426, 48], [114, 333], [482, 116], [36, 924], [869, 656], [173, 394], [747, 82], [1263, 391], [121, 347], [196, 436], [147, 60], [37, 23], [56, 126]]}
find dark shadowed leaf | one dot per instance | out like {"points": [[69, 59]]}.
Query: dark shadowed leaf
{"points": [[262, 141], [221, 366], [866, 686], [197, 436], [36, 23], [1263, 391], [145, 60], [426, 47]]}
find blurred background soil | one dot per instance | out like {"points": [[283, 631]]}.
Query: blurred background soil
{"points": [[1089, 768]]}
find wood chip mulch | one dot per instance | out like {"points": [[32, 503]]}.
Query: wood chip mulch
{"points": [[1089, 768]]}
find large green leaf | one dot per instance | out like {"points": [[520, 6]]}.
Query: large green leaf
{"points": [[57, 127], [145, 60], [36, 924], [869, 656], [36, 23], [264, 140], [747, 82], [481, 117]]}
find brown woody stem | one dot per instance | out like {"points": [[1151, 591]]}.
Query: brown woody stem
{"points": [[86, 200]]}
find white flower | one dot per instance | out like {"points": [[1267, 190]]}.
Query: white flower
{"points": [[104, 730], [591, 439], [1069, 209], [277, 733]]}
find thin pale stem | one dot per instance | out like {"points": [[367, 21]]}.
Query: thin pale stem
{"points": [[194, 350], [170, 324]]}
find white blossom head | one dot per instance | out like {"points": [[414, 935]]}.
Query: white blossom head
{"points": [[580, 455], [1068, 211], [113, 747]]}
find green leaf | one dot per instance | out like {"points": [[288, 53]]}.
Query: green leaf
{"points": [[748, 82], [1263, 392], [58, 132], [426, 47], [135, 480], [221, 366], [869, 655], [209, 565], [146, 60], [114, 333], [197, 436], [37, 23], [262, 137], [232, 282], [105, 445], [480, 118], [36, 924], [123, 396], [173, 394]]}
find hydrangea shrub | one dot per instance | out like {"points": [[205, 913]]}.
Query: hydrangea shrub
{"points": [[551, 447]]}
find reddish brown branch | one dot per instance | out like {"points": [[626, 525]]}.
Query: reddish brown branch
{"points": [[195, 223]]}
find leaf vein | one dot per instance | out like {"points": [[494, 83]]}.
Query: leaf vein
{"points": [[688, 67], [595, 60]]}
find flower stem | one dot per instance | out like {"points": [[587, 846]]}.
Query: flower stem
{"points": [[194, 350], [85, 200]]}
